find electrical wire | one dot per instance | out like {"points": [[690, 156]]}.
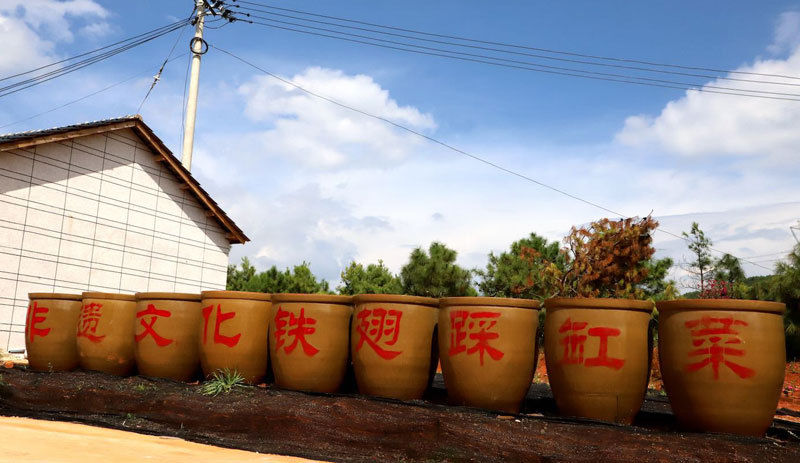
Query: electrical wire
{"points": [[85, 96], [524, 47], [526, 63], [157, 77], [533, 55], [453, 148], [542, 68], [153, 31], [22, 85]]}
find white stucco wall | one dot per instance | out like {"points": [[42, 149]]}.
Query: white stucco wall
{"points": [[98, 213]]}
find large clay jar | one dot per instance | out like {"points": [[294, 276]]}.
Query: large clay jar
{"points": [[105, 333], [166, 335], [50, 331], [309, 340], [232, 333], [487, 346], [722, 362], [392, 344], [597, 353]]}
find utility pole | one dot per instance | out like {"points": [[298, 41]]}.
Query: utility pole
{"points": [[197, 45]]}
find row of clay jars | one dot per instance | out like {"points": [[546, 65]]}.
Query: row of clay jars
{"points": [[722, 361], [388, 338], [92, 330], [597, 350]]}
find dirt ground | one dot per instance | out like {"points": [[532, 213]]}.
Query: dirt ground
{"points": [[29, 441]]}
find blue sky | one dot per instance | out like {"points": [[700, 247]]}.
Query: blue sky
{"points": [[309, 181]]}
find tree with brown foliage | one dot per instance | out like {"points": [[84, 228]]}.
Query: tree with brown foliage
{"points": [[607, 258]]}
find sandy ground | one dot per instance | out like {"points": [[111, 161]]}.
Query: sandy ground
{"points": [[28, 441]]}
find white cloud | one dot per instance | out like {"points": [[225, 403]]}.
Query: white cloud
{"points": [[96, 30], [321, 135], [759, 235], [706, 124], [787, 33], [30, 29]]}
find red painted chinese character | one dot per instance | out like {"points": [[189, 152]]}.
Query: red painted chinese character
{"points": [[303, 328], [373, 325], [574, 345], [90, 316], [229, 341], [477, 326], [572, 342], [458, 331], [148, 327], [714, 330], [602, 359], [34, 319]]}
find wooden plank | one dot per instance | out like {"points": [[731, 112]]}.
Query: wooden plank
{"points": [[67, 135], [352, 428]]}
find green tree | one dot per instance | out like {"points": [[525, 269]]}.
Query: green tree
{"points": [[728, 268], [700, 268], [238, 278], [655, 285], [517, 272], [298, 280], [786, 288], [435, 274], [374, 279]]}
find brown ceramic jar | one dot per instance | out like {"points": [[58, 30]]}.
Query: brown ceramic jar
{"points": [[392, 344], [232, 333], [50, 331], [597, 353], [105, 333], [487, 347], [722, 362], [309, 340], [166, 335]]}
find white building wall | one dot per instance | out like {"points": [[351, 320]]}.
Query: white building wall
{"points": [[99, 213]]}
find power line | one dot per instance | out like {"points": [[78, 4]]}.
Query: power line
{"points": [[153, 31], [24, 84], [524, 47], [771, 254], [493, 49], [453, 148], [157, 77], [540, 67], [84, 97], [526, 63]]}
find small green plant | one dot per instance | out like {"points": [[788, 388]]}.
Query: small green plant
{"points": [[222, 382], [143, 387]]}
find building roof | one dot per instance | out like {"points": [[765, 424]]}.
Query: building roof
{"points": [[135, 123]]}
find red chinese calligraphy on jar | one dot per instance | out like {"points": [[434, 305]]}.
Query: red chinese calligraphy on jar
{"points": [[232, 333], [722, 362], [598, 356], [488, 350], [167, 335], [50, 331], [392, 344], [309, 340], [105, 337]]}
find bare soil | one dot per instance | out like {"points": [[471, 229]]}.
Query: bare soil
{"points": [[352, 428]]}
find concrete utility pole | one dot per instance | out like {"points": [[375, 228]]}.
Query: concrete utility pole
{"points": [[191, 103]]}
